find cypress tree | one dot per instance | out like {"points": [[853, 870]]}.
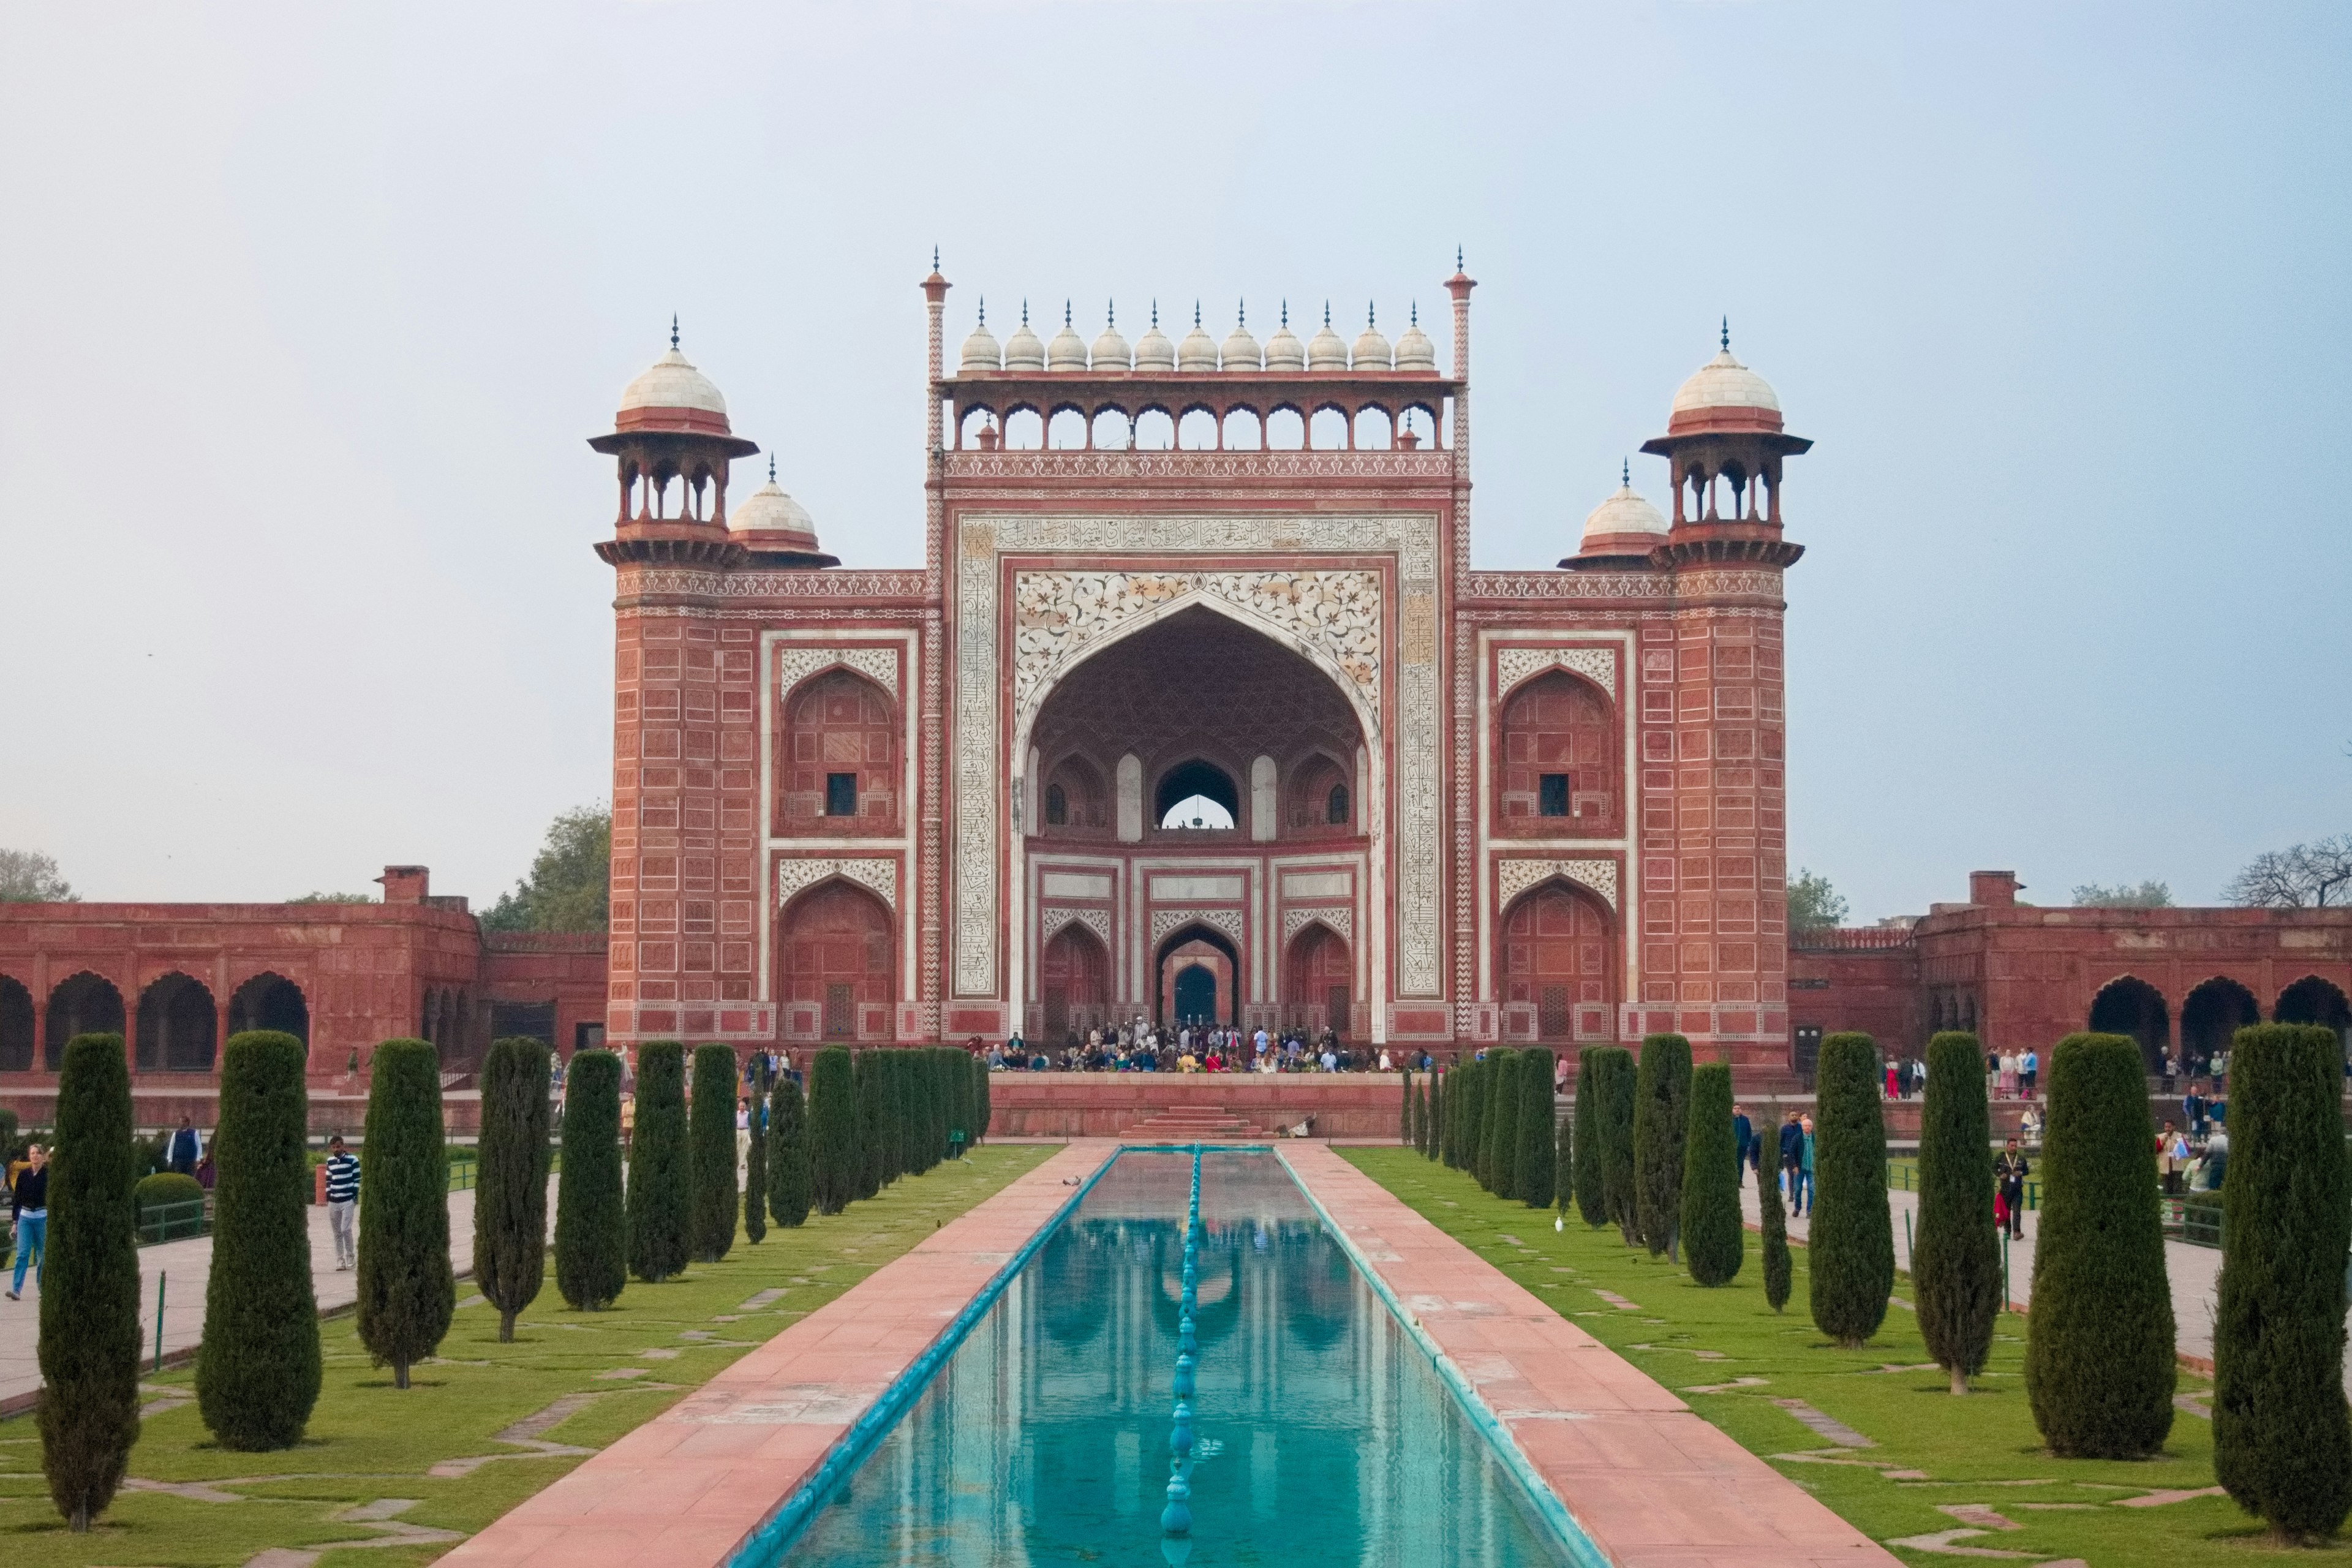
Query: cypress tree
{"points": [[788, 1171], [406, 1293], [89, 1350], [1955, 1257], [510, 1196], [710, 1128], [1662, 1089], [660, 1184], [1404, 1112], [832, 1130], [1851, 1247], [985, 1111], [1498, 1139], [1563, 1166], [1585, 1183], [258, 1369], [1714, 1244], [2099, 1370], [1466, 1141], [1614, 1083], [2282, 1434], [1433, 1120], [958, 1068], [591, 1260], [1777, 1267], [865, 1070], [1533, 1168], [942, 1063], [755, 1176], [1452, 1102], [1422, 1129]]}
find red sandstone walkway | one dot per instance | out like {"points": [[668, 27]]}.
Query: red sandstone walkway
{"points": [[685, 1488], [1652, 1483]]}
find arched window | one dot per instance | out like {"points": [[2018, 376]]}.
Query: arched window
{"points": [[840, 761], [176, 1025], [1334, 806], [2132, 1007], [1316, 798], [1058, 807], [15, 1026], [1561, 771], [82, 1004], [1189, 790]]}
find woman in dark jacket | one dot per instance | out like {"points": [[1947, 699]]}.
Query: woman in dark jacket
{"points": [[28, 1203]]}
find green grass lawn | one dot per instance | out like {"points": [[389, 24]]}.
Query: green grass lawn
{"points": [[368, 1443], [1931, 1452]]}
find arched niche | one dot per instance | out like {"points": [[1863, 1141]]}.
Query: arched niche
{"points": [[837, 758], [177, 1025], [1319, 982], [2210, 1013], [836, 952], [1203, 945], [1559, 965], [1196, 777], [1559, 767], [1075, 801], [16, 1039], [2312, 1000], [1318, 799], [2130, 1005], [81, 1003], [271, 1001], [1073, 982]]}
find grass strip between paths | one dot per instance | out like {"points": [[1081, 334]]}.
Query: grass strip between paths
{"points": [[1935, 1464], [426, 1465]]}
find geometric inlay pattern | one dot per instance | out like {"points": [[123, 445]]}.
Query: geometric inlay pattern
{"points": [[880, 875], [1341, 919], [1516, 876], [1051, 922], [879, 665], [1597, 665], [1165, 921]]}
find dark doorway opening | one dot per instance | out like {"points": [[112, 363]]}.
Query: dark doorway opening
{"points": [[1196, 992]]}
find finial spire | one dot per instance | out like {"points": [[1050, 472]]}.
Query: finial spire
{"points": [[1110, 312], [1024, 312], [1413, 313], [1155, 315], [1726, 334], [1285, 315], [1625, 472], [1066, 312], [673, 329], [1241, 312], [1196, 312], [1371, 316], [772, 457], [1457, 259], [983, 309], [935, 259], [1327, 312]]}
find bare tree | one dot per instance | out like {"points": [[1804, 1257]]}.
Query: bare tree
{"points": [[29, 876], [2304, 875]]}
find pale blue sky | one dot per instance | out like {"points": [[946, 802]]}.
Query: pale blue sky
{"points": [[306, 313]]}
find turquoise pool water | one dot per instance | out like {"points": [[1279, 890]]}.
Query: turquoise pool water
{"points": [[1324, 1433]]}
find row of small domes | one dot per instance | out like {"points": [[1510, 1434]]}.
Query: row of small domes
{"points": [[1197, 353]]}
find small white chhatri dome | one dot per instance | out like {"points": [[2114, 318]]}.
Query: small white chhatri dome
{"points": [[1198, 352], [1624, 514], [1282, 351], [1021, 350], [671, 383], [1110, 349], [1414, 350], [980, 350], [1722, 394], [1240, 350], [1067, 350], [1371, 352], [1152, 350], [768, 509], [1324, 350]]}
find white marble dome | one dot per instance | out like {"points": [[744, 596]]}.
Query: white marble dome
{"points": [[1111, 351], [980, 350], [1023, 351], [1624, 513], [1325, 351], [1152, 350], [1723, 382], [671, 383], [768, 509], [1067, 350], [1198, 351], [1240, 350], [1283, 351], [1372, 350], [1414, 350]]}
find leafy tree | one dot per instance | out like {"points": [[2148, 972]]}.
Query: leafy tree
{"points": [[660, 1184], [258, 1369], [1813, 904], [2282, 1434], [2149, 895], [1498, 1139], [334, 898], [29, 875], [789, 1175], [755, 1177], [711, 1131], [1777, 1266], [591, 1252], [1956, 1259], [2301, 876], [1612, 1086], [2099, 1370], [832, 1130], [1710, 1229], [511, 1184], [1852, 1243], [1585, 1183], [406, 1293], [569, 881], [1533, 1169], [1662, 1091], [88, 1350]]}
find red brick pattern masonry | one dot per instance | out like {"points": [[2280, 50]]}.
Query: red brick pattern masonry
{"points": [[1652, 1484]]}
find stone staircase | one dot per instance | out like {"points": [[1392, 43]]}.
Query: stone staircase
{"points": [[1190, 1124]]}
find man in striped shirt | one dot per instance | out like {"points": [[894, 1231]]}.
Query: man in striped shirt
{"points": [[343, 1199]]}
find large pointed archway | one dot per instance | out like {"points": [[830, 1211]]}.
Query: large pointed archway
{"points": [[1193, 961], [1559, 968]]}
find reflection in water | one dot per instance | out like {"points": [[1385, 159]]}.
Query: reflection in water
{"points": [[1325, 1435]]}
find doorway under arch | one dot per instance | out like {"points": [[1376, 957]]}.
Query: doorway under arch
{"points": [[16, 1025], [1206, 948], [1074, 982], [176, 1025], [271, 1001], [837, 952], [2132, 1007], [1319, 982], [82, 1004], [2211, 1014], [2312, 1000], [1559, 965]]}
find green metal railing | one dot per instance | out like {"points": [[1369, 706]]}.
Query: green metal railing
{"points": [[171, 1222], [1903, 1176], [2195, 1222], [461, 1171]]}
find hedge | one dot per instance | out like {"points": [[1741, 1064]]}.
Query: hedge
{"points": [[167, 1187], [787, 1167], [258, 1369], [1713, 1243], [1584, 1180], [1662, 1091], [866, 1072], [710, 1136], [591, 1251], [2282, 1434], [511, 1182], [660, 1184], [1956, 1256], [1498, 1139], [1850, 1250], [2099, 1370], [833, 1129], [406, 1294], [1533, 1169], [88, 1349]]}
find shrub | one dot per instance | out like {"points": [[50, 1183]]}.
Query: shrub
{"points": [[1433, 1118], [2098, 1356], [1713, 1241], [1585, 1183], [755, 1177], [1955, 1257], [955, 1067], [1472, 1083], [1563, 1166], [941, 1061], [511, 1185], [1533, 1168], [1851, 1247], [1457, 1106], [710, 1228], [258, 1369], [1420, 1114], [1661, 1089], [660, 1184], [406, 1294], [866, 1072], [167, 1187], [1498, 1137], [590, 1254], [832, 1130], [1777, 1268], [1404, 1112], [788, 1171], [985, 1111], [1612, 1086], [89, 1350], [2282, 1434]]}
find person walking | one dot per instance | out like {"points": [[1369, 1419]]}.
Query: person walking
{"points": [[2028, 1069], [1743, 1136], [1793, 1153], [1805, 1169], [342, 1200], [28, 1203], [187, 1149], [2010, 1169]]}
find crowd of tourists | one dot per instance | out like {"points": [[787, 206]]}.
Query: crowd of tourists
{"points": [[1140, 1046]]}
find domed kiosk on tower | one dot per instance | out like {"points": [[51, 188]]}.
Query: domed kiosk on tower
{"points": [[673, 444], [1621, 531], [775, 529], [1726, 438]]}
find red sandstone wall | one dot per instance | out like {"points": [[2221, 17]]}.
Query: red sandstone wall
{"points": [[1103, 1105], [1864, 979]]}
